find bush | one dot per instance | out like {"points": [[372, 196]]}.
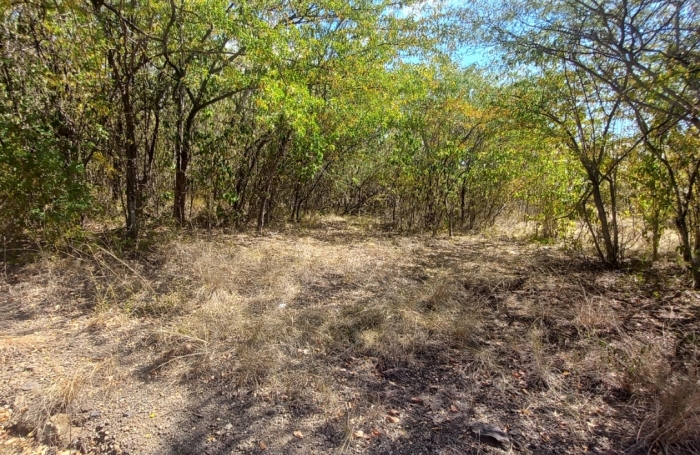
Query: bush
{"points": [[40, 187]]}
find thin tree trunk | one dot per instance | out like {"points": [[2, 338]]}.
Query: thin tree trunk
{"points": [[610, 249], [183, 145], [181, 157], [131, 152], [261, 211], [687, 249]]}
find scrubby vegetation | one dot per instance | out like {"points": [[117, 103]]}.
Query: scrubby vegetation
{"points": [[325, 209]]}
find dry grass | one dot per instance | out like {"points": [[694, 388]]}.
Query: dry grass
{"points": [[251, 309], [32, 413], [674, 420], [284, 315]]}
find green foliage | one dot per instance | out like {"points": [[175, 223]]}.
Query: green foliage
{"points": [[264, 111], [38, 187]]}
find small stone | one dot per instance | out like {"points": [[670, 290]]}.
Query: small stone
{"points": [[95, 414], [30, 385], [127, 414], [491, 435], [58, 431], [228, 426], [360, 434]]}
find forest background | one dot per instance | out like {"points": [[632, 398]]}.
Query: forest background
{"points": [[220, 114]]}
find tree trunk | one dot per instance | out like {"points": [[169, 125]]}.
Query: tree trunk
{"points": [[611, 249], [655, 235], [296, 205], [180, 167], [180, 198], [183, 144], [687, 249], [131, 153], [132, 193], [270, 176], [261, 211], [462, 204]]}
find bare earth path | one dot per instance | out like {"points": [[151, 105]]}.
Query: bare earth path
{"points": [[328, 340]]}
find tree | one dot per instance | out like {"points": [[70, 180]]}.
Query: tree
{"points": [[645, 51], [49, 111], [138, 95], [584, 115]]}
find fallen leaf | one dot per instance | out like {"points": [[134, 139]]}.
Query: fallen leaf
{"points": [[416, 400], [358, 433], [565, 373], [393, 412], [262, 445], [298, 434], [376, 433], [454, 408], [4, 415], [392, 419]]}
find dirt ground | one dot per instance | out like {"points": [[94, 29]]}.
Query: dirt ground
{"points": [[330, 339]]}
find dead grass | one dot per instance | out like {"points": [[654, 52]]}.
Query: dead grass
{"points": [[33, 412], [285, 314], [269, 312], [593, 316], [674, 422]]}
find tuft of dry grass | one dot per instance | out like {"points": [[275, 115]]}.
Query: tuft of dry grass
{"points": [[673, 422], [33, 413], [594, 316]]}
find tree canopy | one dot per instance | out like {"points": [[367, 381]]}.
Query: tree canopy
{"points": [[583, 121]]}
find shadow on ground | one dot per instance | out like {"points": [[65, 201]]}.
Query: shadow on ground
{"points": [[538, 326]]}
